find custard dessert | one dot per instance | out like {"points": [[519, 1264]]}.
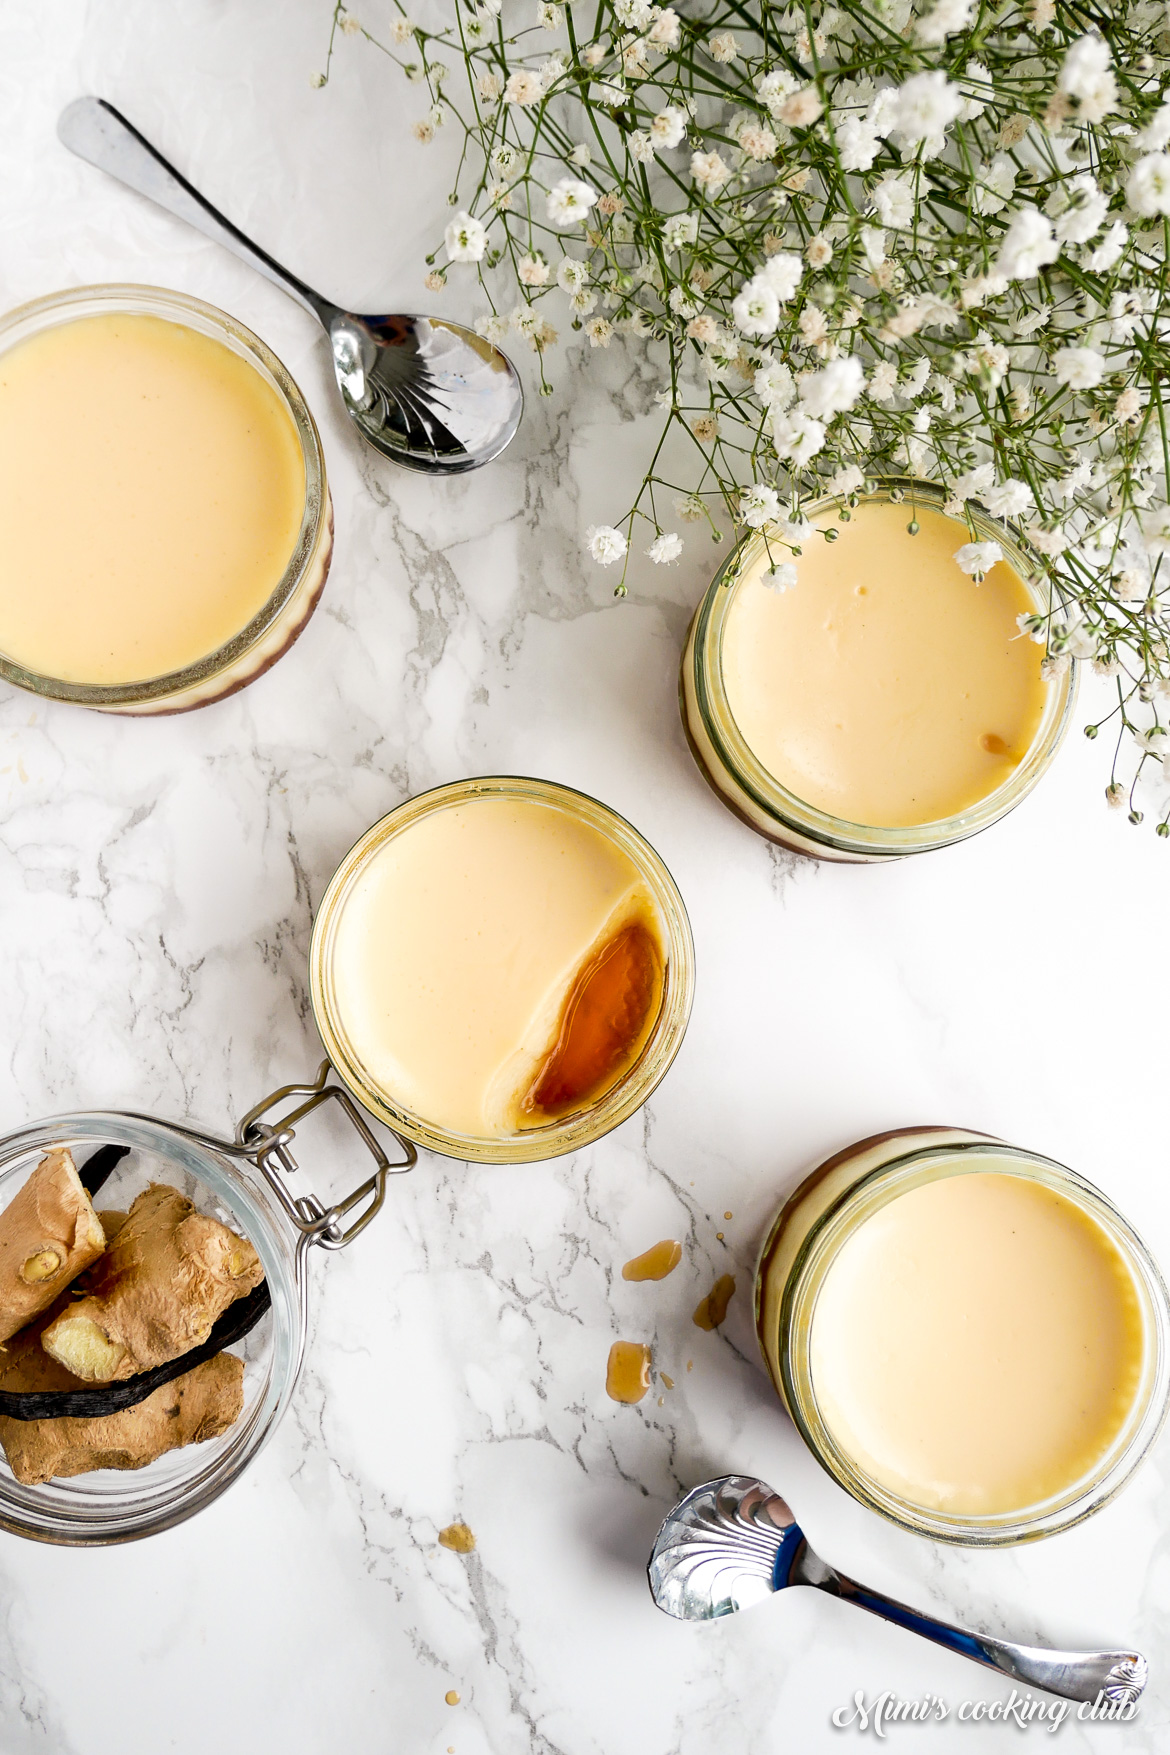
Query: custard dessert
{"points": [[885, 687], [152, 492], [496, 966], [978, 1345]]}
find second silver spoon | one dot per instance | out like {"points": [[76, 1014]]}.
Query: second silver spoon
{"points": [[430, 394], [733, 1542]]}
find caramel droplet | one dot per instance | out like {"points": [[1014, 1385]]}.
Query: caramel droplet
{"points": [[458, 1538], [993, 744], [627, 1375], [658, 1261], [714, 1306], [729, 1215], [451, 1697], [668, 1381]]}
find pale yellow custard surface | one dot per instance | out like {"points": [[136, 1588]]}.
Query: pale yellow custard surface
{"points": [[885, 687], [152, 489], [977, 1345], [456, 946]]}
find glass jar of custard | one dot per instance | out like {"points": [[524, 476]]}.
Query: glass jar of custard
{"points": [[886, 703], [502, 970], [970, 1338], [166, 516]]}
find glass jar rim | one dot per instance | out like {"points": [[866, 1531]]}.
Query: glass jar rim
{"points": [[74, 303], [622, 1099], [774, 800], [852, 1207]]}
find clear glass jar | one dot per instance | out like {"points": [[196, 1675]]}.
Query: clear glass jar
{"points": [[272, 631], [758, 798], [828, 1209], [617, 1103], [241, 1183]]}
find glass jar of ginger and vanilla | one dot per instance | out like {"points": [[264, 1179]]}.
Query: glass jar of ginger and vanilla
{"points": [[969, 1337]]}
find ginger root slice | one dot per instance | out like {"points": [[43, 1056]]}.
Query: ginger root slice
{"points": [[197, 1406], [168, 1273], [49, 1233]]}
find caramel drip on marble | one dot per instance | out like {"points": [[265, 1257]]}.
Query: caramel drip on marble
{"points": [[713, 1308], [457, 1537], [654, 1263], [627, 1374]]}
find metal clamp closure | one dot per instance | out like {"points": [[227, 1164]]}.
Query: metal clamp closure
{"points": [[265, 1139]]}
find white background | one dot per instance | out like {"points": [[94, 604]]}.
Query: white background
{"points": [[157, 883]]}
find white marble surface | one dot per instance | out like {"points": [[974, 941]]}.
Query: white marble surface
{"points": [[156, 887]]}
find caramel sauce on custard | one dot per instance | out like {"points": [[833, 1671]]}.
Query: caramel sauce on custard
{"points": [[607, 1015]]}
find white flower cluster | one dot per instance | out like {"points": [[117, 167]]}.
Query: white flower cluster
{"points": [[922, 237]]}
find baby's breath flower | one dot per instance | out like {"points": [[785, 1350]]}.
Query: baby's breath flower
{"points": [[834, 389], [572, 274], [756, 309], [680, 230], [1081, 368], [606, 545], [492, 327], [926, 106], [664, 28], [1029, 246], [523, 87], [1087, 79], [797, 437], [723, 47], [802, 109], [666, 548], [1148, 188], [774, 385], [709, 171], [759, 505], [599, 331], [532, 270], [569, 201], [781, 576], [893, 201], [1008, 499], [977, 559], [858, 143], [945, 18], [466, 239]]}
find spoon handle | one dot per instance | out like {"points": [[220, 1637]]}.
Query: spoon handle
{"points": [[1074, 1675], [95, 131]]}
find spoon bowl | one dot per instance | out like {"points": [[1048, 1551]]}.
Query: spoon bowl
{"points": [[428, 393]]}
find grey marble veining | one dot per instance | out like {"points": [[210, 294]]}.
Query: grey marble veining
{"points": [[157, 885]]}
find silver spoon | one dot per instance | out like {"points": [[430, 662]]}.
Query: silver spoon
{"points": [[431, 394], [733, 1542]]}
